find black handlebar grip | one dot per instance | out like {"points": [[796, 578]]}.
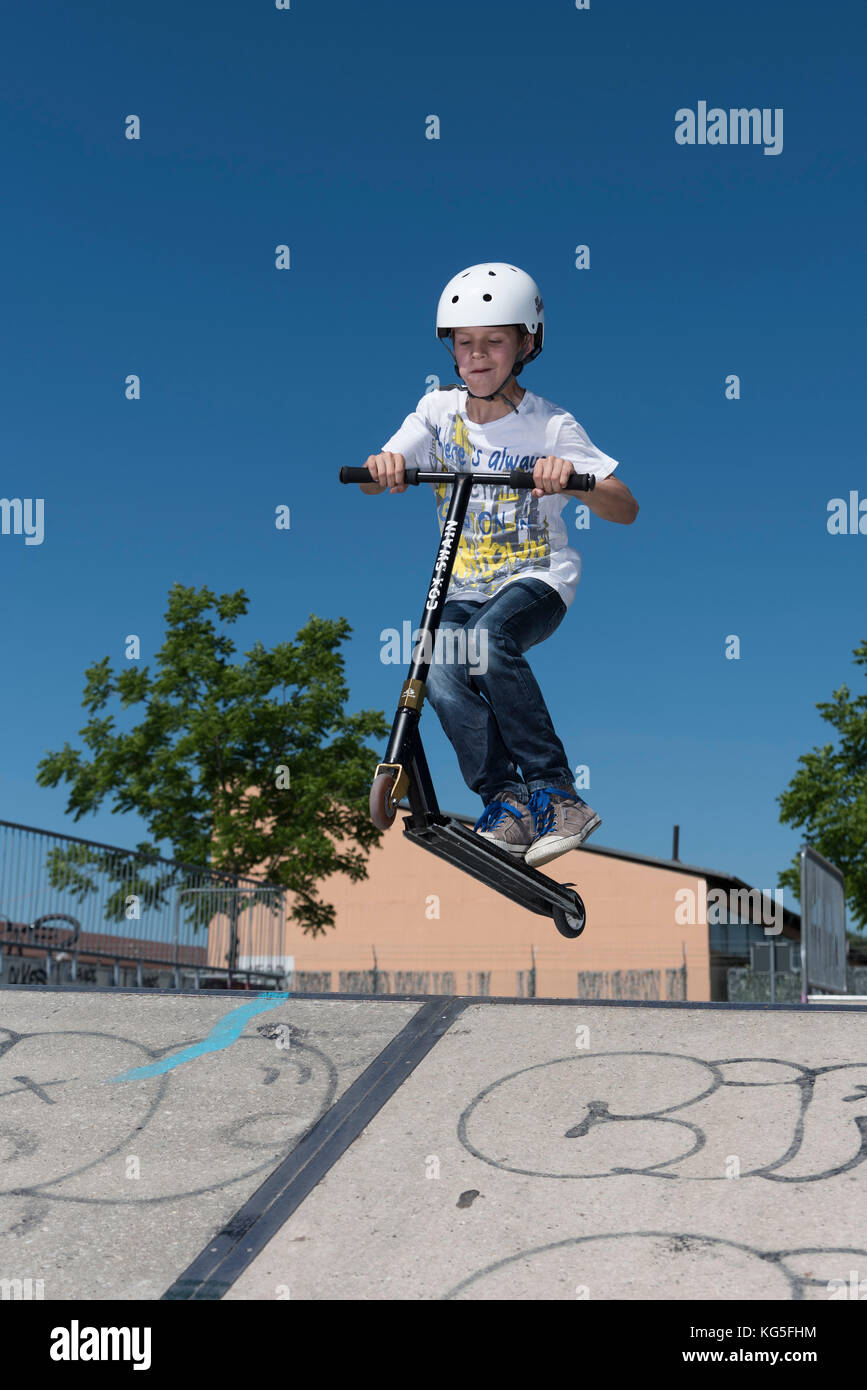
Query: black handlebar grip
{"points": [[356, 475], [364, 475], [578, 482]]}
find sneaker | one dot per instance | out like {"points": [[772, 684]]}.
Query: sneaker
{"points": [[507, 825], [561, 821]]}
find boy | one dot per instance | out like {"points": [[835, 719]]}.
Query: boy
{"points": [[514, 575]]}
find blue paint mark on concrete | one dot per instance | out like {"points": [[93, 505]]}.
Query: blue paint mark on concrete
{"points": [[225, 1031]]}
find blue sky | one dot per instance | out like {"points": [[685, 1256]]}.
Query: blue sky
{"points": [[306, 126]]}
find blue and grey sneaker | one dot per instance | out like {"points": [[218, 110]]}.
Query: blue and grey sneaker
{"points": [[507, 825], [561, 821]]}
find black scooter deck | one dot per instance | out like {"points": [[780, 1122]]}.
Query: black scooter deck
{"points": [[452, 841]]}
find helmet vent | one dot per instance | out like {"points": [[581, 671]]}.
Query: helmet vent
{"points": [[487, 298], [455, 299]]}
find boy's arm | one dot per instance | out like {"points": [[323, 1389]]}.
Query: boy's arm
{"points": [[610, 499]]}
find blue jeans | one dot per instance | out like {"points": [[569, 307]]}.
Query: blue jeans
{"points": [[496, 719]]}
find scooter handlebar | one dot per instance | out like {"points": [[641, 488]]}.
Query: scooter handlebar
{"points": [[517, 478]]}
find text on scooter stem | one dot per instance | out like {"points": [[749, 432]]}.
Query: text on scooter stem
{"points": [[441, 562]]}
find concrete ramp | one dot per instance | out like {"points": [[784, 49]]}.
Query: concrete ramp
{"points": [[265, 1146]]}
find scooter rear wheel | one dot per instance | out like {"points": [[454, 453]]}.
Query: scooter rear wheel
{"points": [[382, 809], [568, 923]]}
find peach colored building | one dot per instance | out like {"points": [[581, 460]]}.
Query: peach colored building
{"points": [[418, 925]]}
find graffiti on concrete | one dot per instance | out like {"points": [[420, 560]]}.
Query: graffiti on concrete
{"points": [[49, 1080], [673, 1116]]}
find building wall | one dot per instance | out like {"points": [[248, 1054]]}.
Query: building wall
{"points": [[427, 928]]}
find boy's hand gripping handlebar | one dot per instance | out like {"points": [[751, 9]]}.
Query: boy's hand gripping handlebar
{"points": [[516, 478]]}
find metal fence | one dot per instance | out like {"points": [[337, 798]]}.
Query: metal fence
{"points": [[73, 911]]}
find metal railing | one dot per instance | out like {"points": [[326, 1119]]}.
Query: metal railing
{"points": [[71, 902]]}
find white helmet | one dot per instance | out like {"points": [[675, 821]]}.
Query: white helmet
{"points": [[494, 293]]}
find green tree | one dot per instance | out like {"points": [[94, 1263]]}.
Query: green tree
{"points": [[202, 766], [828, 797]]}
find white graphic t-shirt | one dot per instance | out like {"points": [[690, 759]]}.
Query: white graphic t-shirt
{"points": [[508, 534]]}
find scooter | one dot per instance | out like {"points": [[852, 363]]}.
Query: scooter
{"points": [[404, 770]]}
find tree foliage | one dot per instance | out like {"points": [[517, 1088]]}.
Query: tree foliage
{"points": [[828, 797], [202, 767]]}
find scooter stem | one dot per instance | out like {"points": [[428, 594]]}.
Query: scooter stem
{"points": [[401, 744]]}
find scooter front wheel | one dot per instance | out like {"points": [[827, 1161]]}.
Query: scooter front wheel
{"points": [[568, 923], [382, 809]]}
